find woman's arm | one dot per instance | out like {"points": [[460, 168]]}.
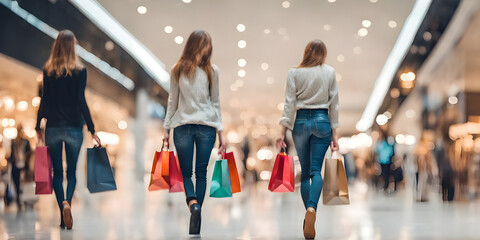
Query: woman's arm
{"points": [[288, 116], [41, 108], [172, 105], [83, 101], [215, 97]]}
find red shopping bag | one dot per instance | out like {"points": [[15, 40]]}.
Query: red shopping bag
{"points": [[166, 173], [43, 171], [283, 177], [175, 175], [232, 169]]}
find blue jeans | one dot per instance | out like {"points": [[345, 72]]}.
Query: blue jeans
{"points": [[312, 134], [203, 137], [55, 137]]}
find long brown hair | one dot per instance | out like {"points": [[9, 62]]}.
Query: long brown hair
{"points": [[197, 53], [315, 54], [63, 58]]}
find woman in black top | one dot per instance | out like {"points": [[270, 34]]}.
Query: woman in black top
{"points": [[65, 108]]}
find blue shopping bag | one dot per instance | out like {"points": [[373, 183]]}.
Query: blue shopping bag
{"points": [[100, 177]]}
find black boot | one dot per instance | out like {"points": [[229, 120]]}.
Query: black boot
{"points": [[62, 223], [195, 218]]}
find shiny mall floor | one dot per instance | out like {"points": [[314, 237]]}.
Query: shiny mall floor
{"points": [[253, 214]]}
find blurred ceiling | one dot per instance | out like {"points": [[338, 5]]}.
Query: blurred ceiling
{"points": [[276, 33]]}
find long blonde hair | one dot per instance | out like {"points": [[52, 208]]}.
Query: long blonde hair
{"points": [[315, 54], [197, 53], [63, 58]]}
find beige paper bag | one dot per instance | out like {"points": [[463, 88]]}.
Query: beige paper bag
{"points": [[335, 185]]}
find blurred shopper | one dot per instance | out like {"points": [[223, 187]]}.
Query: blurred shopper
{"points": [[385, 151], [18, 160], [426, 166], [64, 107], [194, 113], [312, 95]]}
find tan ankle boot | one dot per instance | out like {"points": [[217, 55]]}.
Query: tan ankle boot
{"points": [[67, 215], [309, 227]]}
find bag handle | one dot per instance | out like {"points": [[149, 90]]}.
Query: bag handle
{"points": [[283, 150], [165, 142]]}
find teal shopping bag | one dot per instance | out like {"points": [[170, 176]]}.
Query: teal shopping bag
{"points": [[221, 186]]}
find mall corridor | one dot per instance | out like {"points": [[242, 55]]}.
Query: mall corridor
{"points": [[240, 119]]}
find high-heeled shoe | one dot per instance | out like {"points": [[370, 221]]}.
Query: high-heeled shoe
{"points": [[309, 223], [195, 218], [67, 215]]}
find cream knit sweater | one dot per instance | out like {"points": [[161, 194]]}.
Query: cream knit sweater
{"points": [[193, 101], [311, 88]]}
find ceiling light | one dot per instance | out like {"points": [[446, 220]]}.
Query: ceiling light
{"points": [[327, 27], [453, 100], [362, 32], [395, 93], [36, 101], [340, 58], [22, 106], [427, 36], [285, 4], [242, 62], [264, 66], [39, 77], [392, 24], [11, 122], [242, 73], [266, 31], [388, 114], [280, 106], [366, 23], [242, 44], [178, 39], [381, 119], [9, 103], [109, 45], [5, 122], [282, 31], [142, 9], [270, 80], [122, 125], [332, 1], [233, 87], [373, 1], [414, 49], [400, 138], [241, 27], [395, 58], [422, 50], [187, 1], [168, 29], [357, 50]]}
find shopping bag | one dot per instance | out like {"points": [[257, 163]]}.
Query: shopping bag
{"points": [[232, 169], [335, 185], [175, 182], [221, 186], [100, 177], [43, 171], [157, 182], [283, 177], [166, 173]]}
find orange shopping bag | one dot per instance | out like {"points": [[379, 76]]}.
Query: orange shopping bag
{"points": [[158, 180], [232, 169], [283, 177]]}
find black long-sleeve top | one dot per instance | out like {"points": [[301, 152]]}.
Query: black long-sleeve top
{"points": [[63, 102]]}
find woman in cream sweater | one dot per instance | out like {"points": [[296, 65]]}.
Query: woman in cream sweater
{"points": [[312, 95], [193, 112]]}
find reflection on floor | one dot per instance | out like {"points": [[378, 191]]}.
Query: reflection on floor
{"points": [[253, 214]]}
